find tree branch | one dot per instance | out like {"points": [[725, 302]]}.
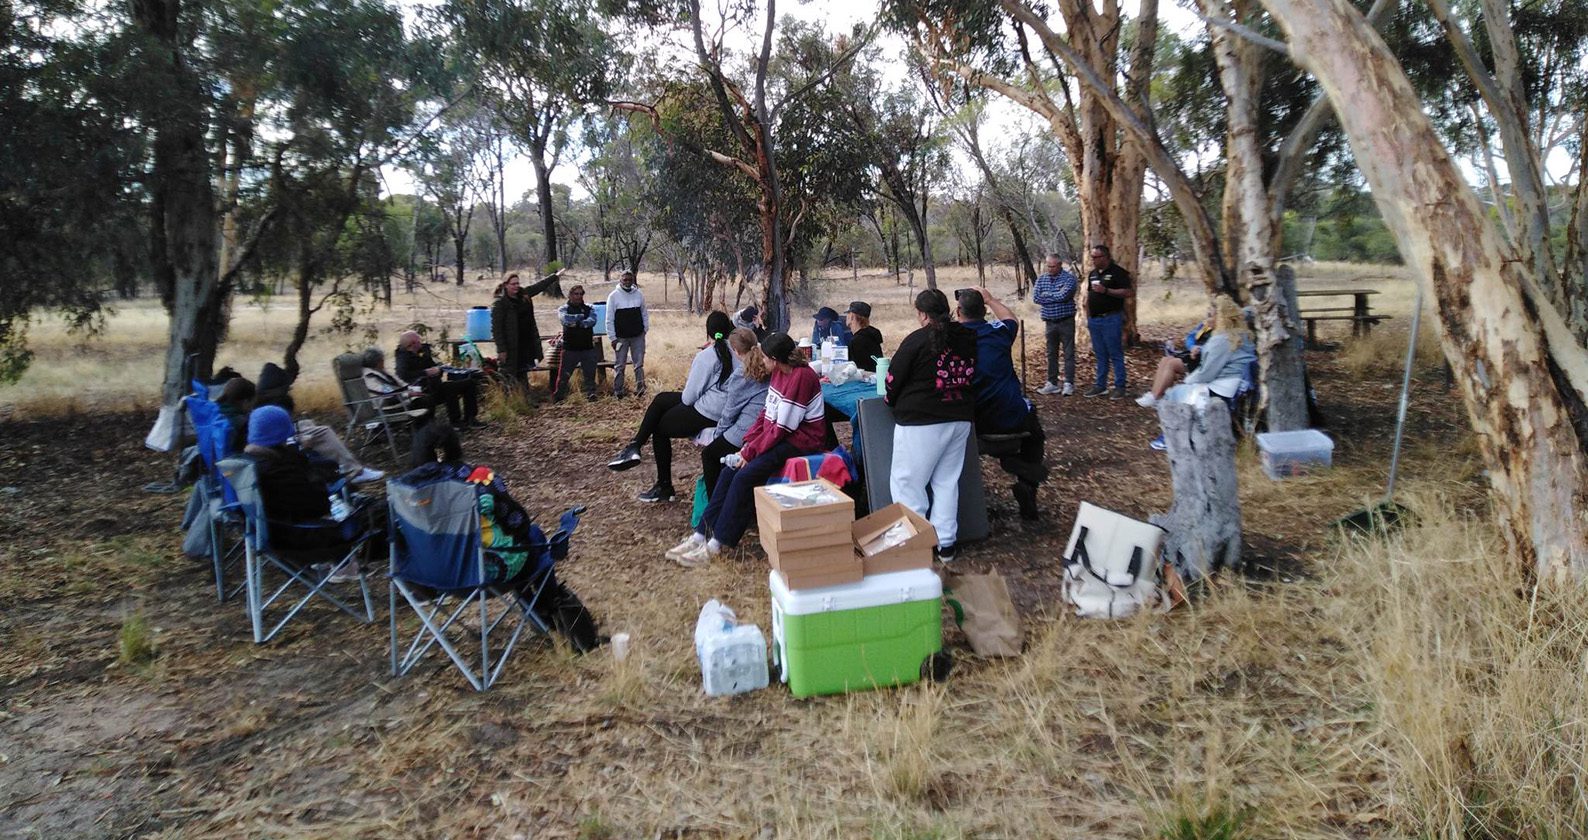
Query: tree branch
{"points": [[1245, 32], [838, 62], [1293, 149]]}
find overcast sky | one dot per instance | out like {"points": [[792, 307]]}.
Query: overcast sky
{"points": [[1004, 119]]}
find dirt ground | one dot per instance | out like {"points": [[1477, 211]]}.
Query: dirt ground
{"points": [[310, 735]]}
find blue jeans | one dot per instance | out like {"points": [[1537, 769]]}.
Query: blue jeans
{"points": [[732, 502], [1108, 345]]}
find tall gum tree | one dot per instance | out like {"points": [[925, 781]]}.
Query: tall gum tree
{"points": [[1520, 367], [1109, 170], [750, 113]]}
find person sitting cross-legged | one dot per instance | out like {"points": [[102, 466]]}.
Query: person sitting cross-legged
{"points": [[396, 394], [1001, 407], [791, 424], [1218, 361]]}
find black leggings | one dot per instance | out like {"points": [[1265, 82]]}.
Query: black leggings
{"points": [[666, 418], [711, 461]]}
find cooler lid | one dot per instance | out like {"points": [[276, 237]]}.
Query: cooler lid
{"points": [[871, 591]]}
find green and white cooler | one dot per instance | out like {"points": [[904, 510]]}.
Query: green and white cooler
{"points": [[856, 636]]}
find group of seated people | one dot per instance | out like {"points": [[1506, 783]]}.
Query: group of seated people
{"points": [[753, 405], [297, 485], [420, 384]]}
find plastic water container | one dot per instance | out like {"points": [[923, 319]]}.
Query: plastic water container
{"points": [[882, 377], [1285, 454], [601, 317], [477, 327], [732, 656]]}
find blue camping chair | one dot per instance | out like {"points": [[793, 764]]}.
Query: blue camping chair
{"points": [[1244, 414], [221, 511], [297, 568], [435, 543]]}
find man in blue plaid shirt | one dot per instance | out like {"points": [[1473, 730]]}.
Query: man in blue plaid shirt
{"points": [[1055, 293]]}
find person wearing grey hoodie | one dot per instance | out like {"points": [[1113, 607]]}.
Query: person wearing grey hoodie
{"points": [[675, 414], [746, 399]]}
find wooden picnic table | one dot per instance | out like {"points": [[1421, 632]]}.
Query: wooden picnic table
{"points": [[1359, 313], [602, 365]]}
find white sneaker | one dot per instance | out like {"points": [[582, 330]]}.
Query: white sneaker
{"points": [[1147, 400], [698, 555], [348, 571], [1048, 388], [684, 547], [1069, 389], [367, 475]]}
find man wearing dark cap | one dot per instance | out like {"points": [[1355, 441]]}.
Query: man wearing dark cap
{"points": [[865, 343], [1001, 407], [829, 325]]}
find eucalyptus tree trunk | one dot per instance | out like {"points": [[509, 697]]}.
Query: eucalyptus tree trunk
{"points": [[1248, 226], [1518, 366], [185, 231]]}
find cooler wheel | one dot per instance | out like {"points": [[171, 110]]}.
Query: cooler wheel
{"points": [[937, 666]]}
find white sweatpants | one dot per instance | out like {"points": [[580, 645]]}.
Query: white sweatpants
{"points": [[925, 456]]}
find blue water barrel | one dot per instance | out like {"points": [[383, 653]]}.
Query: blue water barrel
{"points": [[478, 325], [601, 317]]}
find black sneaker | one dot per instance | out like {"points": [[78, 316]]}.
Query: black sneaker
{"points": [[1096, 392], [1118, 394], [659, 493], [1026, 495], [628, 458], [948, 553]]}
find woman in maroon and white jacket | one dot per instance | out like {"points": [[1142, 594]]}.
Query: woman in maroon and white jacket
{"points": [[793, 423]]}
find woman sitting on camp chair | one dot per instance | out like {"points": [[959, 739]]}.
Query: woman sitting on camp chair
{"points": [[1221, 359], [505, 535]]}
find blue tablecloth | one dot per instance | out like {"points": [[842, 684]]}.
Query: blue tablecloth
{"points": [[847, 397]]}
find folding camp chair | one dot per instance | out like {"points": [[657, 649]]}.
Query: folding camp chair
{"points": [[296, 567], [368, 414], [222, 515], [1244, 414], [435, 543]]}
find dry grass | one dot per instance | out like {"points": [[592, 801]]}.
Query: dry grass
{"points": [[1480, 686], [1406, 687]]}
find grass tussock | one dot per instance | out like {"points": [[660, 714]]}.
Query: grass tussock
{"points": [[1480, 684], [1382, 353], [135, 643]]}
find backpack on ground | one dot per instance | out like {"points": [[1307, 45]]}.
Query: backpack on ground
{"points": [[1111, 564]]}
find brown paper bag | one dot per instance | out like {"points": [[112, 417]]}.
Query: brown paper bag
{"points": [[983, 609]]}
